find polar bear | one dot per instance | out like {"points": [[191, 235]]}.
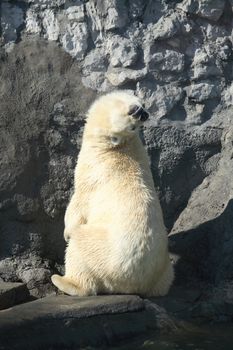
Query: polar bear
{"points": [[117, 241]]}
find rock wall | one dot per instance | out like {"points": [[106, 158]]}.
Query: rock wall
{"points": [[55, 56]]}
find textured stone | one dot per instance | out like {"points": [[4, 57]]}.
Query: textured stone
{"points": [[66, 321], [224, 48], [107, 16], [97, 81], [160, 99], [214, 32], [154, 11], [116, 14], [203, 91], [95, 61], [204, 65], [194, 112], [136, 8], [210, 9], [50, 24], [74, 41], [41, 143], [178, 157], [202, 234], [42, 4], [119, 76], [75, 11], [12, 294], [94, 68], [11, 20], [216, 181], [32, 22], [164, 60], [122, 52], [228, 96], [62, 321], [166, 27]]}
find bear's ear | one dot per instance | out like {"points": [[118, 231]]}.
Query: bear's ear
{"points": [[115, 140]]}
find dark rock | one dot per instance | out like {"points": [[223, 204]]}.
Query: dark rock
{"points": [[202, 235], [179, 158], [12, 294], [210, 9], [41, 123], [67, 321]]}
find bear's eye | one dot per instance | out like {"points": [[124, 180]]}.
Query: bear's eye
{"points": [[115, 140], [133, 110]]}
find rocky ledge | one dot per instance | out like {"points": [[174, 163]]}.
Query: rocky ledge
{"points": [[64, 322]]}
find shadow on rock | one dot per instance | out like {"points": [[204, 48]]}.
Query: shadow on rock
{"points": [[205, 252]]}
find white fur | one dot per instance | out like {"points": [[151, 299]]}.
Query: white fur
{"points": [[117, 239]]}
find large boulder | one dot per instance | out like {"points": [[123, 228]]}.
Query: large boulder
{"points": [[41, 118]]}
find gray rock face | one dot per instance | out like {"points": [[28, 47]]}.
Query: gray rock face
{"points": [[11, 20], [41, 124], [119, 76], [210, 9], [122, 52], [203, 91], [54, 58], [165, 60], [208, 222]]}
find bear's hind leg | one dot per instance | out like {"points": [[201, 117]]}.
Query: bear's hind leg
{"points": [[163, 285], [70, 287]]}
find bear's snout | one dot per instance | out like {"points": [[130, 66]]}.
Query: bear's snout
{"points": [[144, 115], [139, 113]]}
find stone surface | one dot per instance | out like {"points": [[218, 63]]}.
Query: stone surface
{"points": [[166, 27], [41, 122], [181, 159], [203, 91], [121, 76], [204, 65], [50, 24], [159, 99], [210, 9], [122, 52], [11, 20], [165, 60], [12, 294], [205, 248], [64, 321], [58, 307], [74, 40]]}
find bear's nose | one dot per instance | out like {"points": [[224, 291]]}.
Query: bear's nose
{"points": [[139, 113], [144, 115]]}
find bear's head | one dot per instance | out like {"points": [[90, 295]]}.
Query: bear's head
{"points": [[114, 118]]}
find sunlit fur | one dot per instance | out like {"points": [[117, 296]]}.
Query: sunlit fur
{"points": [[117, 239]]}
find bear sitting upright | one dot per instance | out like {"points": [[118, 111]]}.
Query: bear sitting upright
{"points": [[117, 241]]}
